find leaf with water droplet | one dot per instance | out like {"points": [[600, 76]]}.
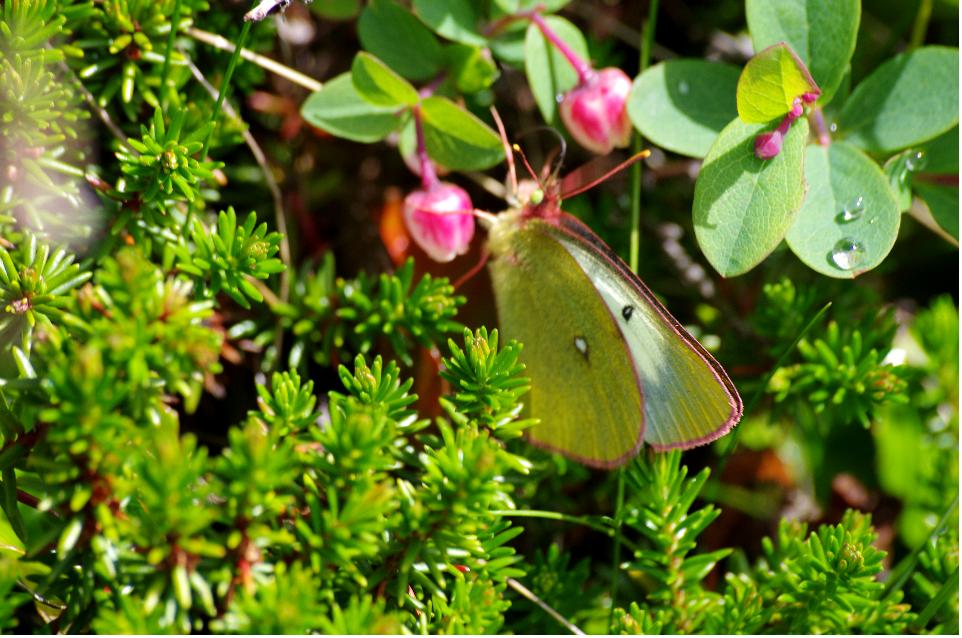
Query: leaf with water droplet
{"points": [[744, 205], [942, 153], [682, 105], [915, 161], [848, 253], [841, 178], [852, 210]]}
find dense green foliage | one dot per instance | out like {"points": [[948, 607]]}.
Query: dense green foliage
{"points": [[210, 423]]}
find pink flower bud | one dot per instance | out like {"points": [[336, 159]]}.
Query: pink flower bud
{"points": [[440, 220], [768, 145], [594, 111]]}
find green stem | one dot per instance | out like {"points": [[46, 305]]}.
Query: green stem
{"points": [[644, 58], [225, 86], [616, 552], [921, 25], [174, 22]]}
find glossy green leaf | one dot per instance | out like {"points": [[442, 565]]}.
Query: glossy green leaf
{"points": [[340, 110], [471, 68], [821, 32], [682, 105], [943, 202], [850, 218], [909, 100], [457, 138], [393, 34], [769, 84], [378, 84], [743, 205], [454, 19], [549, 73]]}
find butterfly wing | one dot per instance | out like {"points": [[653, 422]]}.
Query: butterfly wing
{"points": [[688, 398], [585, 389]]}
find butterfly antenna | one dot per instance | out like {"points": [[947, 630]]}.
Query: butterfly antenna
{"points": [[524, 160], [617, 169], [508, 155], [475, 269]]}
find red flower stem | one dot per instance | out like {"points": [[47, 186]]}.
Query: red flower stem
{"points": [[428, 89], [429, 176], [821, 131], [582, 67]]}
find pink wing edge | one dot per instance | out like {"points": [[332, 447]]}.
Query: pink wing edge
{"points": [[579, 231]]}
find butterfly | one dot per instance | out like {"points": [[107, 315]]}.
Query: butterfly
{"points": [[610, 368]]}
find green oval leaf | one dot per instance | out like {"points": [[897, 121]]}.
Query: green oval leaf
{"points": [[682, 105], [378, 84], [340, 110], [770, 82], [910, 99], [850, 219], [821, 32], [549, 73], [471, 68], [456, 138], [743, 205], [454, 19], [943, 203], [393, 34]]}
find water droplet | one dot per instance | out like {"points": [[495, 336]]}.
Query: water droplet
{"points": [[833, 127], [559, 98], [847, 253], [683, 87], [852, 211], [873, 220], [915, 161]]}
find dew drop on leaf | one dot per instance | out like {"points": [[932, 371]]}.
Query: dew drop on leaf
{"points": [[848, 253], [915, 161], [683, 87], [852, 210]]}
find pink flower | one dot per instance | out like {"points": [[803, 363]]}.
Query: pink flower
{"points": [[440, 220], [594, 111]]}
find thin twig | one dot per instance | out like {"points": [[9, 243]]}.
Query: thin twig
{"points": [[266, 63], [527, 593]]}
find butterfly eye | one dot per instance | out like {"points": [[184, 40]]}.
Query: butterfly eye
{"points": [[537, 197]]}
